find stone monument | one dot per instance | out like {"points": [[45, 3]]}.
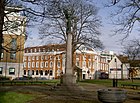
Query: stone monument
{"points": [[68, 77]]}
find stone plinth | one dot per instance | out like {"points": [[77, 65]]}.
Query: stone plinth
{"points": [[68, 79]]}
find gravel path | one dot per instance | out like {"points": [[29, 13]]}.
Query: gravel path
{"points": [[81, 93]]}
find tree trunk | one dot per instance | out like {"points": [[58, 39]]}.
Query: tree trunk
{"points": [[2, 9]]}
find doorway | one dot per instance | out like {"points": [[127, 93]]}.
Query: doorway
{"points": [[84, 76]]}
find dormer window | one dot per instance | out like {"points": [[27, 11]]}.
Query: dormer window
{"points": [[35, 50], [43, 49], [31, 51], [39, 50], [29, 58], [33, 58]]}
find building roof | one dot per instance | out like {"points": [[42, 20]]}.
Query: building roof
{"points": [[123, 59], [50, 47], [134, 63], [55, 47]]}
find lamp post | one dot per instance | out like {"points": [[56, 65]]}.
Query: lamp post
{"points": [[6, 63], [116, 67], [116, 73]]}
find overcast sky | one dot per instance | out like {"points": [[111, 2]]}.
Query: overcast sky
{"points": [[111, 43]]}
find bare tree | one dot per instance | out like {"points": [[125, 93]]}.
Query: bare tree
{"points": [[84, 22], [126, 16], [132, 50], [2, 9], [11, 24]]}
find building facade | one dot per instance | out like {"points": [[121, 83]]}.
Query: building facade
{"points": [[11, 64], [119, 68], [102, 60], [49, 61]]}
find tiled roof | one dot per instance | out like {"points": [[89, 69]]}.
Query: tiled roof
{"points": [[50, 47], [123, 59], [134, 63]]}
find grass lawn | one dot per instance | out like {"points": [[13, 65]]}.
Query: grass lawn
{"points": [[29, 82], [109, 82], [14, 97]]}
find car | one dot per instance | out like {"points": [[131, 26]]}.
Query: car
{"points": [[41, 78], [23, 78], [103, 75]]}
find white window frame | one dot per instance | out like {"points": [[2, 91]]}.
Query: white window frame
{"points": [[51, 64], [11, 71], [89, 64], [37, 64], [46, 64], [58, 64], [33, 64], [42, 64], [25, 64], [42, 57], [84, 63], [29, 64]]}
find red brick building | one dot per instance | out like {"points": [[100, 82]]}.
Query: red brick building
{"points": [[49, 61]]}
